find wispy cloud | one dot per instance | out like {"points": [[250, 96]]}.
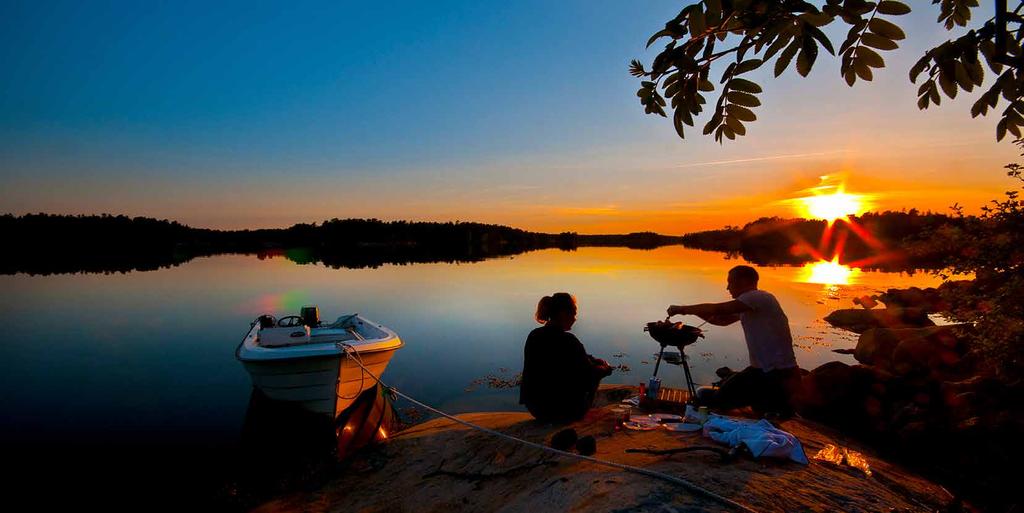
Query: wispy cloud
{"points": [[759, 159]]}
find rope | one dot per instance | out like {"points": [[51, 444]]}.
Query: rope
{"points": [[362, 373], [349, 351]]}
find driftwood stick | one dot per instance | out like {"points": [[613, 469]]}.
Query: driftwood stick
{"points": [[479, 476], [722, 453]]}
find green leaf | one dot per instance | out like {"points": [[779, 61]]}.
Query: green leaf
{"points": [[870, 57], [947, 84], [892, 8], [785, 57], [740, 84], [805, 61], [862, 70], [779, 43], [636, 68], [677, 122], [962, 78], [736, 125], [920, 66], [980, 107], [697, 21], [818, 35], [877, 41], [713, 123], [741, 98], [886, 29], [741, 113], [714, 11], [748, 65], [658, 35]]}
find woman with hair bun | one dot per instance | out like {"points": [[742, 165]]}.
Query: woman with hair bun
{"points": [[559, 377]]}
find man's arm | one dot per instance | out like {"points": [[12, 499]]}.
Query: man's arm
{"points": [[721, 320], [707, 311]]}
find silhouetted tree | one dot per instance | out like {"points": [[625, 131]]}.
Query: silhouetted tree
{"points": [[754, 32]]}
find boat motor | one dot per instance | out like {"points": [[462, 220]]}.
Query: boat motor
{"points": [[310, 315], [679, 335]]}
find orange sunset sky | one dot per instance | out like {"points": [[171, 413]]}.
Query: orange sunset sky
{"points": [[517, 114]]}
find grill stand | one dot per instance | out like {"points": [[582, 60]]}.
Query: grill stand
{"points": [[690, 387]]}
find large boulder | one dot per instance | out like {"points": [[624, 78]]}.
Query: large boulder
{"points": [[839, 394], [875, 346], [861, 320], [929, 347], [935, 351]]}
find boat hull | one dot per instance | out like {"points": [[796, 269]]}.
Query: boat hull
{"points": [[325, 385]]}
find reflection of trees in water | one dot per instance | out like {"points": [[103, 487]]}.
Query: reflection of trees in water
{"points": [[888, 240], [52, 244]]}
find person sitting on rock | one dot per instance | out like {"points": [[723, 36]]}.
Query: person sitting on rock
{"points": [[773, 378], [559, 378]]}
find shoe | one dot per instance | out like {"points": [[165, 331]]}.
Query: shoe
{"points": [[565, 439], [586, 446]]}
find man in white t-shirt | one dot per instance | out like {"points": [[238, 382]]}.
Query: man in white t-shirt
{"points": [[773, 377]]}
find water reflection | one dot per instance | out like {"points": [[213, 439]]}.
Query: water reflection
{"points": [[829, 273], [149, 356]]}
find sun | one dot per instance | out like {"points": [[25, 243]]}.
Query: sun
{"points": [[832, 206]]}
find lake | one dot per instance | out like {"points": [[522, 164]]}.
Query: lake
{"points": [[125, 378]]}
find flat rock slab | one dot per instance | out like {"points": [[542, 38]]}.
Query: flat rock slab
{"points": [[442, 466]]}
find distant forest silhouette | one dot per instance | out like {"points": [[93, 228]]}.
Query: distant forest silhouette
{"points": [[51, 244]]}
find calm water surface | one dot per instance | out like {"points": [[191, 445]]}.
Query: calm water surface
{"points": [[143, 363]]}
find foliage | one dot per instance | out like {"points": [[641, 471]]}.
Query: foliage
{"points": [[991, 247], [754, 32]]}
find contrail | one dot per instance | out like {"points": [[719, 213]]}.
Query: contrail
{"points": [[755, 159]]}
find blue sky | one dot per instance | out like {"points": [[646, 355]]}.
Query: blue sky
{"points": [[245, 114]]}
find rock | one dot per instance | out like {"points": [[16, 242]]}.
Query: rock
{"points": [[875, 346], [929, 299], [860, 320], [936, 351], [936, 348], [837, 393]]}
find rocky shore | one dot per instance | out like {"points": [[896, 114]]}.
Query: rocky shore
{"points": [[921, 393], [442, 466]]}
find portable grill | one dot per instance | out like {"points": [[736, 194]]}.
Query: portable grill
{"points": [[679, 335]]}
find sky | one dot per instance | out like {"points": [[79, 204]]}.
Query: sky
{"points": [[265, 114]]}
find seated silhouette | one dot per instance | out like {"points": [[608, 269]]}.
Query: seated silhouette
{"points": [[559, 378]]}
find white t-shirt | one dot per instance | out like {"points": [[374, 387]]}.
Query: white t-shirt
{"points": [[766, 328]]}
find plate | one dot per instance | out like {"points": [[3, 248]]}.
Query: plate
{"points": [[666, 417], [636, 425], [683, 427]]}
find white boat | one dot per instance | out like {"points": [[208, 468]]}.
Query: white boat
{"points": [[299, 359]]}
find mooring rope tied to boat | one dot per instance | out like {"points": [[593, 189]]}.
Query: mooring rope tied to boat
{"points": [[351, 352]]}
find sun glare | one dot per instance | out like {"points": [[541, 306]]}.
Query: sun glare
{"points": [[828, 273], [832, 205]]}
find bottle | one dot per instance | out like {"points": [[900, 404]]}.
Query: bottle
{"points": [[653, 386]]}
